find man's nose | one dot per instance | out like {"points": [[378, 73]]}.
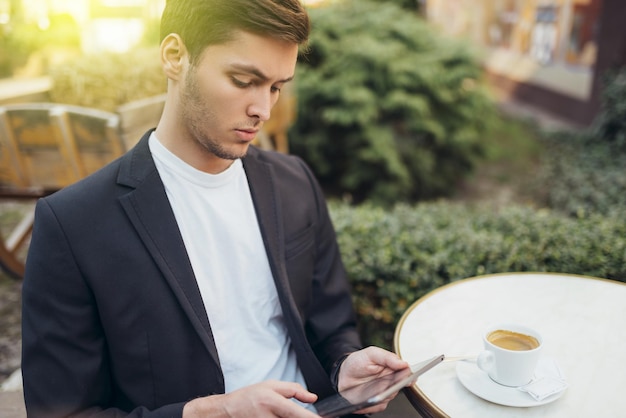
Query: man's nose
{"points": [[262, 106]]}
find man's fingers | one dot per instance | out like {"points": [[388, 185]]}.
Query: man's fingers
{"points": [[294, 390], [385, 358]]}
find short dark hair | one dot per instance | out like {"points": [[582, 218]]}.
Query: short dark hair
{"points": [[201, 23]]}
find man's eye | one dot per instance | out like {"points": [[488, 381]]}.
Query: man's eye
{"points": [[275, 89], [240, 83]]}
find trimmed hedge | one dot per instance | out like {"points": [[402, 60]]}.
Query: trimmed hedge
{"points": [[394, 257]]}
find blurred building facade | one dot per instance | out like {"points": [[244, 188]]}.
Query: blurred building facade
{"points": [[551, 54]]}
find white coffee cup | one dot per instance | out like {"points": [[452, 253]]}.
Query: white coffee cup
{"points": [[511, 354]]}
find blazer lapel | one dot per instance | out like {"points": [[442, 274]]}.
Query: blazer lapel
{"points": [[267, 203], [150, 212]]}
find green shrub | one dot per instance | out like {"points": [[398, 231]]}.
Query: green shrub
{"points": [[395, 257], [21, 40], [610, 125], [63, 31], [581, 175], [107, 80], [411, 5], [387, 109], [17, 42]]}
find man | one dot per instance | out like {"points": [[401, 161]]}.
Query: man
{"points": [[196, 276]]}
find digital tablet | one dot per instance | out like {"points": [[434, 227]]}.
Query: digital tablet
{"points": [[373, 392]]}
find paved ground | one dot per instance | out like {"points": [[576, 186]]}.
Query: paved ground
{"points": [[12, 405]]}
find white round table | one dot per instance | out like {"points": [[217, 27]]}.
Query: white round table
{"points": [[582, 319]]}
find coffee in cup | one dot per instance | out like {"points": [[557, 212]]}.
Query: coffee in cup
{"points": [[511, 340], [511, 354]]}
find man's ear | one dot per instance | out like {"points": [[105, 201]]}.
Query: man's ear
{"points": [[174, 56]]}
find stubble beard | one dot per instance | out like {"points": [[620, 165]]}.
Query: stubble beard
{"points": [[195, 113]]}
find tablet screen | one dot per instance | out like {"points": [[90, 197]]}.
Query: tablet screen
{"points": [[372, 392]]}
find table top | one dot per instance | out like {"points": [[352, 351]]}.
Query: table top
{"points": [[582, 320]]}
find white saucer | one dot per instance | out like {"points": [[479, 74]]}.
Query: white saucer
{"points": [[481, 385]]}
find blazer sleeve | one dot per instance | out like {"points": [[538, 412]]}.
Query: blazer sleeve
{"points": [[64, 355]]}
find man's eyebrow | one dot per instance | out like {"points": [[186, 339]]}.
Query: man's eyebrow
{"points": [[250, 69]]}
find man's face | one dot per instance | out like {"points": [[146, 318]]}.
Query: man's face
{"points": [[229, 93]]}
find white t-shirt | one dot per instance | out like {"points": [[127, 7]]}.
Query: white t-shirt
{"points": [[220, 230]]}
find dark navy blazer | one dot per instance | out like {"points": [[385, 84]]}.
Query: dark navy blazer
{"points": [[113, 320]]}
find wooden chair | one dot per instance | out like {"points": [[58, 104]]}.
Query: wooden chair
{"points": [[138, 116], [34, 150], [13, 248], [91, 136], [43, 148]]}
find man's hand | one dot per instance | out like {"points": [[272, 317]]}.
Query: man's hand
{"points": [[271, 399], [365, 365]]}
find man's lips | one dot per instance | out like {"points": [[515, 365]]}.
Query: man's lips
{"points": [[247, 134]]}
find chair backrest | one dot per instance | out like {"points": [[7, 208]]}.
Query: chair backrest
{"points": [[91, 135], [51, 145], [138, 116], [34, 152]]}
